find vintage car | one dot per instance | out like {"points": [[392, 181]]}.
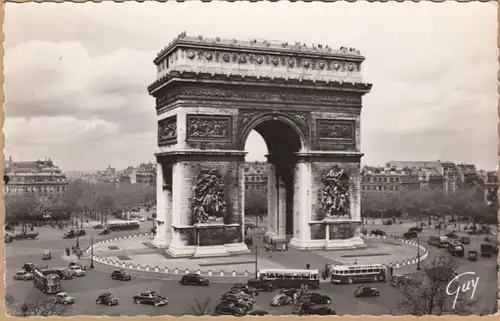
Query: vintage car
{"points": [[46, 255], [150, 297], [107, 298], [104, 232], [245, 288], [281, 299], [472, 255], [229, 308], [23, 276], [261, 285], [315, 310], [465, 240], [194, 279], [25, 236], [258, 313], [121, 275], [317, 298], [78, 270], [63, 298], [28, 267], [366, 291]]}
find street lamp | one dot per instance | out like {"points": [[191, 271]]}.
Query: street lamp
{"points": [[92, 252], [256, 260], [77, 240], [418, 253]]}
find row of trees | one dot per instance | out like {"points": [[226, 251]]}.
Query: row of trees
{"points": [[416, 202], [94, 200]]}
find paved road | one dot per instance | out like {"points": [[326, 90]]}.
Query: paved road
{"points": [[183, 298]]}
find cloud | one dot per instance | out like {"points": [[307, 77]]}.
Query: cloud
{"points": [[76, 74]]}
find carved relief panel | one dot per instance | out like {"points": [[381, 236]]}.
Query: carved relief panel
{"points": [[167, 131], [208, 203], [335, 195], [209, 127], [336, 131]]}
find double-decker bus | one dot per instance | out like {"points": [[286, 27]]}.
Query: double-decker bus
{"points": [[122, 225], [359, 273], [290, 278], [47, 282]]}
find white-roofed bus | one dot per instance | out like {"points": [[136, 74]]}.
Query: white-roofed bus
{"points": [[356, 273], [290, 278], [122, 225]]}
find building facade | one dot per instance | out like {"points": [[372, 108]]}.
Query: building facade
{"points": [[41, 178], [256, 176]]}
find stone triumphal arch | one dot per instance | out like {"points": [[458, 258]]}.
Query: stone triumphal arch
{"points": [[304, 101]]}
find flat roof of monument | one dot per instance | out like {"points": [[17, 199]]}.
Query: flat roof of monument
{"points": [[261, 45]]}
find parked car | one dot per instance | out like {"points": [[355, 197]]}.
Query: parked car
{"points": [[261, 285], [78, 270], [417, 229], [318, 298], [410, 235], [364, 291], [250, 225], [107, 298], [194, 279], [242, 295], [281, 299], [81, 233], [150, 297], [258, 313], [121, 275], [46, 255], [142, 219], [229, 308], [378, 233], [289, 292], [23, 276], [315, 310], [149, 218], [98, 226], [104, 232], [71, 264], [244, 302], [246, 289], [63, 298]]}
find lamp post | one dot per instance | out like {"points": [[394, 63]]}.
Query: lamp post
{"points": [[92, 252], [77, 240], [256, 260], [418, 253]]}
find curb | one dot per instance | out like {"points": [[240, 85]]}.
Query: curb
{"points": [[224, 274], [414, 260]]}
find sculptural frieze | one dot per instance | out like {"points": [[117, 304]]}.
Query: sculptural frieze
{"points": [[335, 196], [208, 126], [222, 93], [167, 130], [208, 200], [335, 129]]}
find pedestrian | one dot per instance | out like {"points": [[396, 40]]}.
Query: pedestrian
{"points": [[308, 266], [391, 270]]}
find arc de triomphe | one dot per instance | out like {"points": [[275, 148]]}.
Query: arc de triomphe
{"points": [[306, 104]]}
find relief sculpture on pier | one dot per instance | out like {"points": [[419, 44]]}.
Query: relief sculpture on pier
{"points": [[208, 126], [209, 204], [167, 130], [335, 196]]}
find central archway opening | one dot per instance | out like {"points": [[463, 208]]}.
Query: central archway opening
{"points": [[271, 150]]}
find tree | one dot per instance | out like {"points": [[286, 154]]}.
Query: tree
{"points": [[37, 306], [425, 293], [201, 307], [22, 208], [255, 201]]}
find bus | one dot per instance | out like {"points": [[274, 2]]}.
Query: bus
{"points": [[439, 241], [290, 278], [359, 273], [122, 225], [47, 282]]}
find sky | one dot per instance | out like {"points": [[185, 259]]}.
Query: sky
{"points": [[76, 74]]}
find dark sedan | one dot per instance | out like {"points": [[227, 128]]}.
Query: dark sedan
{"points": [[121, 275], [229, 308], [314, 310], [258, 312], [245, 289], [318, 298], [366, 291], [107, 298], [150, 297]]}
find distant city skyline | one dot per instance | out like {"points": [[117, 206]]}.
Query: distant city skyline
{"points": [[76, 76]]}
